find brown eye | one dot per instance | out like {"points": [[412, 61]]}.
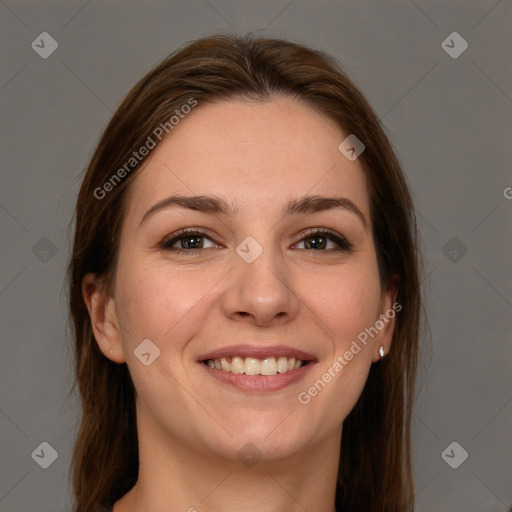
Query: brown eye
{"points": [[187, 240], [318, 241]]}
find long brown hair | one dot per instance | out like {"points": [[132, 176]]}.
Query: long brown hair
{"points": [[375, 473]]}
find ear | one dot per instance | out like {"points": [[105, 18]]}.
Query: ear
{"points": [[388, 310], [103, 315]]}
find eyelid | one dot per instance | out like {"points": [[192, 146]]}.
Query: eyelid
{"points": [[343, 243], [181, 233]]}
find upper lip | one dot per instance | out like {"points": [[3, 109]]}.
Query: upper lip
{"points": [[258, 352]]}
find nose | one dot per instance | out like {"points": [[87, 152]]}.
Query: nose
{"points": [[260, 292]]}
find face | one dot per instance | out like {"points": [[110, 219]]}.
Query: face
{"points": [[254, 281]]}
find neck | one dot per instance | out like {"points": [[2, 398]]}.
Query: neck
{"points": [[174, 477]]}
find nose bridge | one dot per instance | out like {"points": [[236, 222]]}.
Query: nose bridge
{"points": [[260, 284]]}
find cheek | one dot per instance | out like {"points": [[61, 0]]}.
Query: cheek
{"points": [[160, 302], [345, 309], [167, 306], [347, 302]]}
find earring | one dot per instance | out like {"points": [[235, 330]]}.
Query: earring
{"points": [[381, 351], [110, 351]]}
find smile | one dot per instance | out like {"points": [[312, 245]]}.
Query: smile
{"points": [[257, 368], [253, 366]]}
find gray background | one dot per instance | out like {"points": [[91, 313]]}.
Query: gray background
{"points": [[449, 119]]}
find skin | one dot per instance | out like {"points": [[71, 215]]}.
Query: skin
{"points": [[257, 155]]}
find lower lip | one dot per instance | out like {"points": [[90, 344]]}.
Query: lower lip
{"points": [[259, 383]]}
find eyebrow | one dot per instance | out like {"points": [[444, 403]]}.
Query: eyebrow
{"points": [[217, 206]]}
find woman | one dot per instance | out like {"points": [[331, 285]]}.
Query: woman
{"points": [[245, 292]]}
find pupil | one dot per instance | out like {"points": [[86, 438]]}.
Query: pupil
{"points": [[317, 245], [195, 241]]}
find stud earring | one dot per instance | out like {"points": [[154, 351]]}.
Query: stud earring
{"points": [[381, 351], [110, 351]]}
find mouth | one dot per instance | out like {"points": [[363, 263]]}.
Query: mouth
{"points": [[257, 368], [253, 366]]}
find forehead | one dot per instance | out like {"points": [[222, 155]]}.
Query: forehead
{"points": [[253, 153]]}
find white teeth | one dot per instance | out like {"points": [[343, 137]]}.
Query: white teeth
{"points": [[282, 364], [269, 366], [253, 366], [237, 365]]}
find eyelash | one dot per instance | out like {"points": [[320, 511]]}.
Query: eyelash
{"points": [[343, 243]]}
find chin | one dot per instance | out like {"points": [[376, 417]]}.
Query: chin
{"points": [[265, 437]]}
